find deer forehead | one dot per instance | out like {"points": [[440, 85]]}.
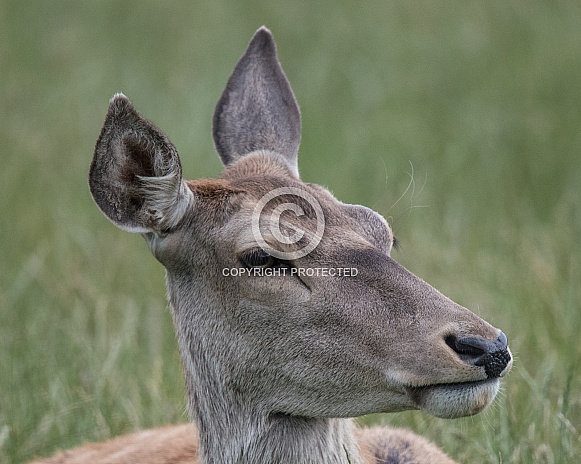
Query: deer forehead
{"points": [[238, 200]]}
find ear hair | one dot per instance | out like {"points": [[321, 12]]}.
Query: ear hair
{"points": [[166, 199]]}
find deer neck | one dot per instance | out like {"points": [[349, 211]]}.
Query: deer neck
{"points": [[248, 436], [235, 429], [232, 431]]}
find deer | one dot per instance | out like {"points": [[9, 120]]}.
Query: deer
{"points": [[277, 362]]}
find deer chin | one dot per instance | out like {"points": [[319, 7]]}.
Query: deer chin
{"points": [[453, 400]]}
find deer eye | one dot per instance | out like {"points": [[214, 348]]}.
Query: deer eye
{"points": [[257, 258]]}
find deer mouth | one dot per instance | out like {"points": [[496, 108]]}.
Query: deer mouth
{"points": [[452, 400]]}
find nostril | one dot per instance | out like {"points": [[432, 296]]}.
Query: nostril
{"points": [[469, 346], [493, 356]]}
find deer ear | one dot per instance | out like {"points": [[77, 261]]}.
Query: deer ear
{"points": [[258, 110], [136, 176]]}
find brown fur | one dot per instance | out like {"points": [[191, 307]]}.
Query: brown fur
{"points": [[212, 188], [178, 444]]}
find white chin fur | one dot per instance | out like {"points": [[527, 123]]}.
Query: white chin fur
{"points": [[455, 400]]}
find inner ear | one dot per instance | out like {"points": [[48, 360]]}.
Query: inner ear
{"points": [[258, 110], [138, 162]]}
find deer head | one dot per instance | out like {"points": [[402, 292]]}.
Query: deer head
{"points": [[270, 326]]}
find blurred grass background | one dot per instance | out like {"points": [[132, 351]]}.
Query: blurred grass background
{"points": [[468, 112]]}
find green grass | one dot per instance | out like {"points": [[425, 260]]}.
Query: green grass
{"points": [[480, 100]]}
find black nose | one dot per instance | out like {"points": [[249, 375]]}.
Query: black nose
{"points": [[493, 356]]}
